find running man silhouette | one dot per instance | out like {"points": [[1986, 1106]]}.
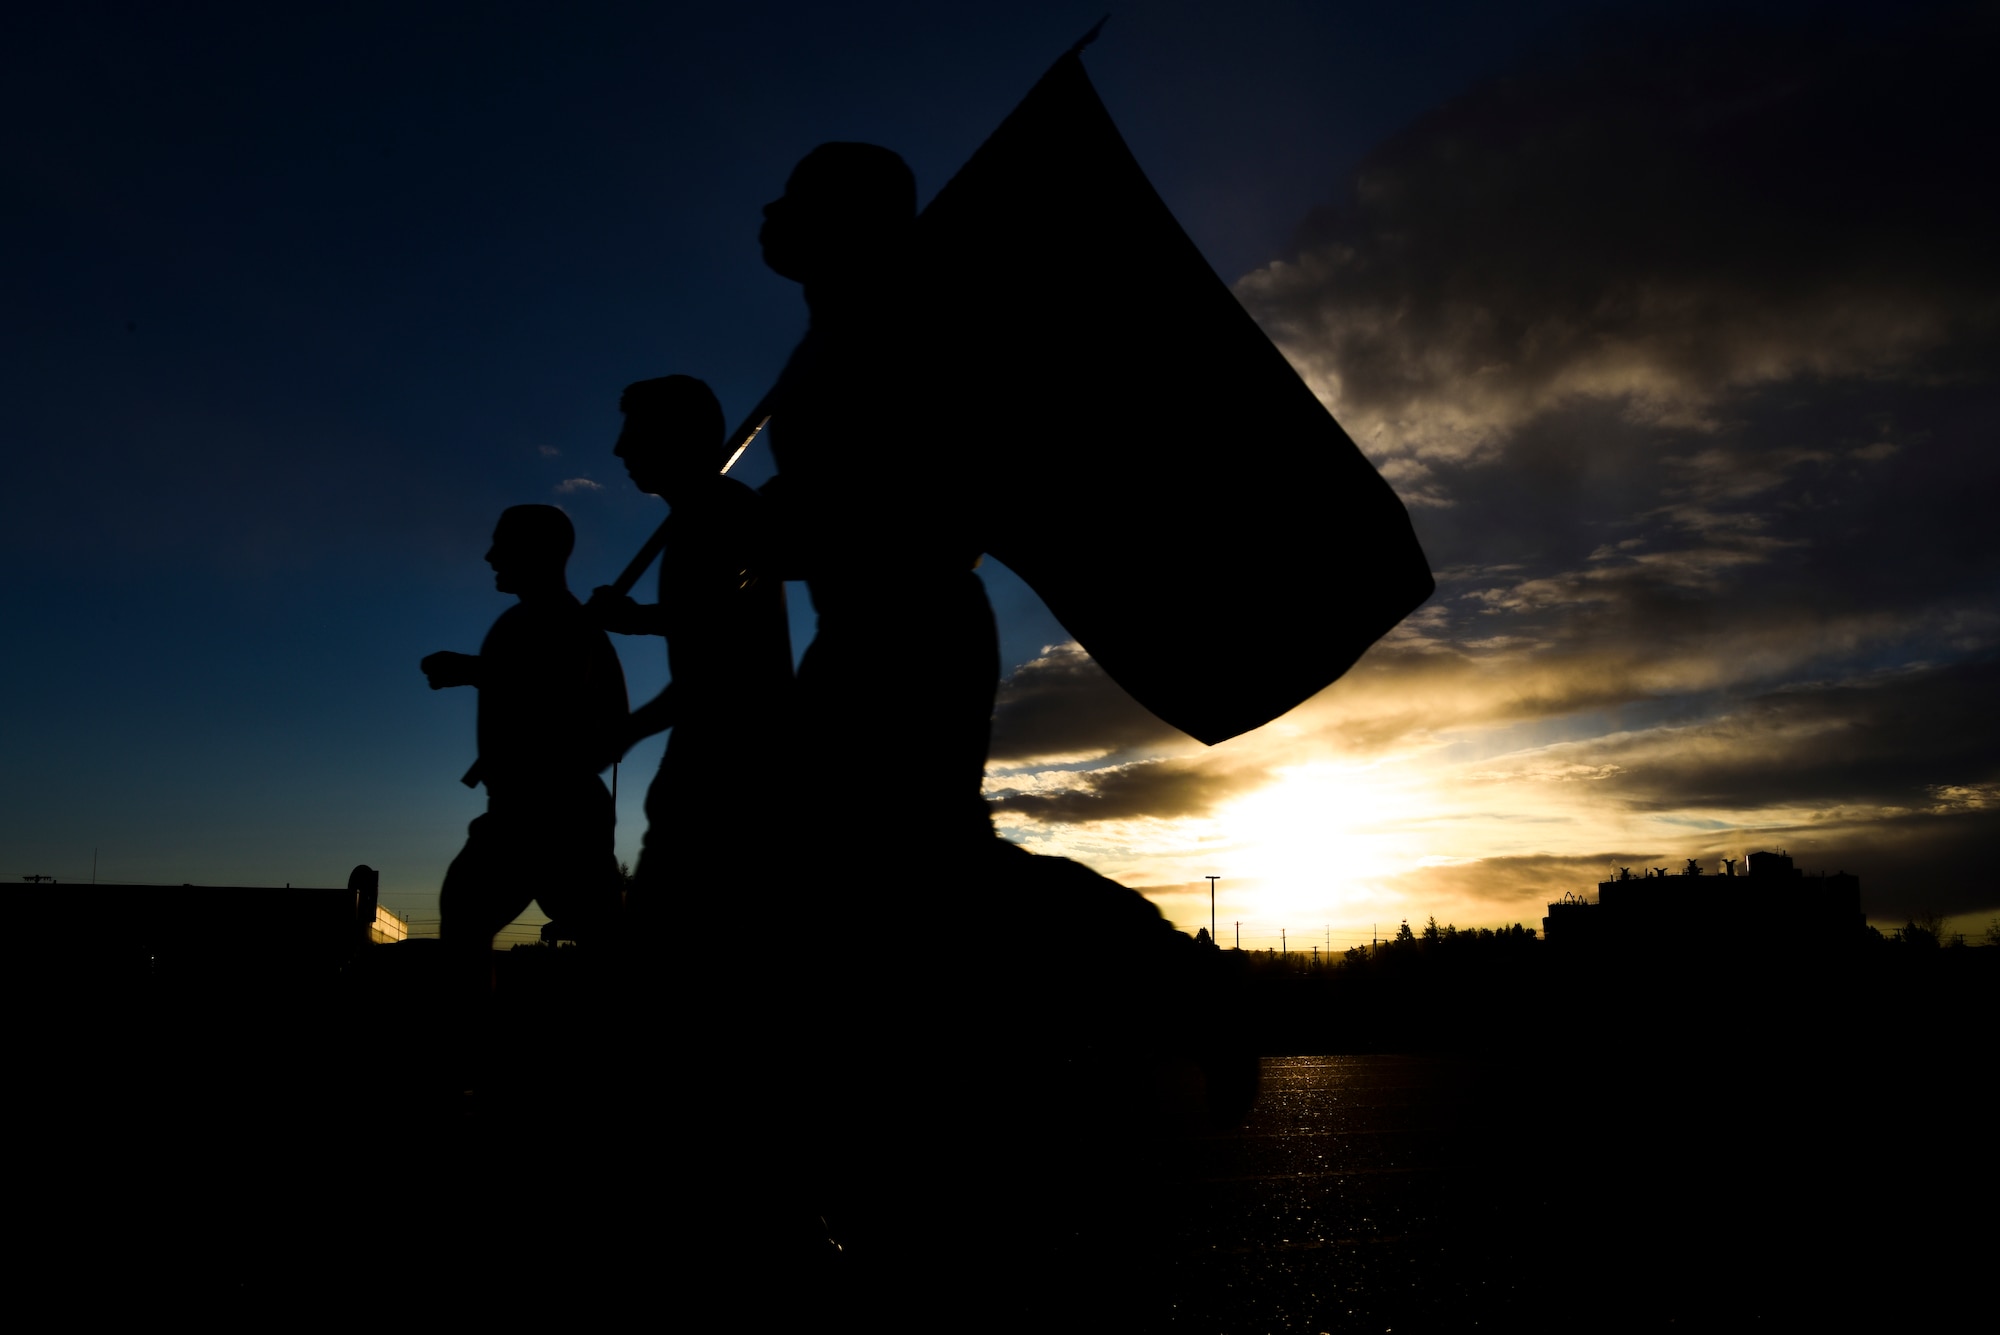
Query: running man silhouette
{"points": [[710, 810], [717, 821], [899, 681], [551, 716]]}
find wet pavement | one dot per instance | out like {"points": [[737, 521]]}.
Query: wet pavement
{"points": [[1647, 1188], [1345, 1202], [1604, 1186]]}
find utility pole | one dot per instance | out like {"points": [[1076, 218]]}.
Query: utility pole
{"points": [[1283, 949], [1211, 905], [1239, 934]]}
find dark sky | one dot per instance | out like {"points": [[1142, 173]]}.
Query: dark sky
{"points": [[1674, 330]]}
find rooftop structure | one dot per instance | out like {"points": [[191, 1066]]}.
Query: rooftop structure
{"points": [[155, 928], [1660, 903]]}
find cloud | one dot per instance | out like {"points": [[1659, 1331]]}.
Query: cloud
{"points": [[1636, 648], [1658, 225], [1515, 888], [1918, 739], [1912, 864], [1062, 723], [1952, 798], [571, 485], [1893, 775], [1679, 407], [1907, 866], [1155, 790], [1061, 706], [549, 451]]}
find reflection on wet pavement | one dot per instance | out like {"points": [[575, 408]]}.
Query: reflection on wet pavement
{"points": [[1337, 1200]]}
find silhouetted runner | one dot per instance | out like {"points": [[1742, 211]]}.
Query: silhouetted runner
{"points": [[711, 810], [878, 513], [551, 716]]}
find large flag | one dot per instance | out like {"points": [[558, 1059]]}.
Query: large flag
{"points": [[1151, 464]]}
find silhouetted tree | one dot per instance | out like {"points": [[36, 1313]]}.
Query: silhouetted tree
{"points": [[1923, 932]]}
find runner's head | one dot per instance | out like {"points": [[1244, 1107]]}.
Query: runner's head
{"points": [[673, 433], [531, 547], [846, 210]]}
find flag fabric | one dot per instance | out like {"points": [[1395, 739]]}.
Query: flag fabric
{"points": [[1146, 460]]}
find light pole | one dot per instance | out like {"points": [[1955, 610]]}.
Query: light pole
{"points": [[1211, 905]]}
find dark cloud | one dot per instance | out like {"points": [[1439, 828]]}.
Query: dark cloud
{"points": [[1517, 888], [1062, 704], [1902, 740], [1679, 348], [1160, 789], [1673, 217], [1895, 778], [1858, 497], [1909, 866]]}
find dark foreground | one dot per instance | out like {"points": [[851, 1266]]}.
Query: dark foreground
{"points": [[214, 1154]]}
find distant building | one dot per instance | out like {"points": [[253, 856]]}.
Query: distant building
{"points": [[152, 929], [1660, 905]]}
